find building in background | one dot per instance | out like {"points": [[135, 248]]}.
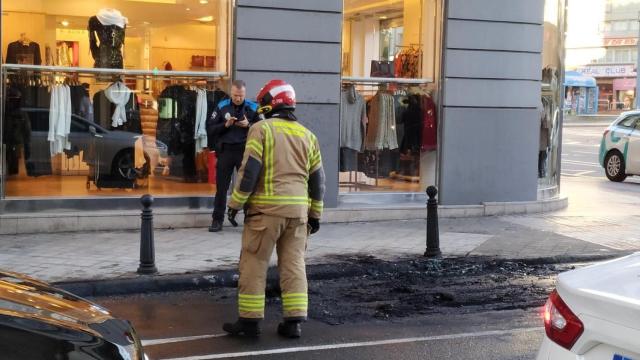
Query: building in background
{"points": [[402, 94], [602, 40]]}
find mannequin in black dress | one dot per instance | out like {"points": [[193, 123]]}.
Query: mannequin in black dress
{"points": [[106, 38]]}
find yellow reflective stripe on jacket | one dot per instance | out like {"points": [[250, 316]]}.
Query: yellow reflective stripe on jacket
{"points": [[268, 159], [256, 146], [290, 125], [279, 200], [238, 197], [290, 132], [317, 205]]}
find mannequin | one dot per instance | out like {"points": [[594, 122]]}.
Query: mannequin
{"points": [[24, 51], [106, 38]]}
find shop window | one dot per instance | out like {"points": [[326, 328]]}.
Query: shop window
{"points": [[553, 97], [124, 77], [389, 120]]}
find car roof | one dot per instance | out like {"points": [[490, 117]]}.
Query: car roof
{"points": [[29, 109], [630, 112]]}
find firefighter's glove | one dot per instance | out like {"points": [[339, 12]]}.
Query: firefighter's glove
{"points": [[231, 215], [314, 225]]}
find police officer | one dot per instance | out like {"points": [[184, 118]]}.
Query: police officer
{"points": [[281, 187], [227, 133]]}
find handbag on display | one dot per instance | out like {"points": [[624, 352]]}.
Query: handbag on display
{"points": [[197, 60], [210, 61], [381, 68]]}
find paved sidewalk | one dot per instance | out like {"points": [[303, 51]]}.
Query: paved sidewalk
{"points": [[112, 255]]}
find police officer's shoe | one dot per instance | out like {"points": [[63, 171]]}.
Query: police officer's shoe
{"points": [[290, 329], [246, 327], [216, 226]]}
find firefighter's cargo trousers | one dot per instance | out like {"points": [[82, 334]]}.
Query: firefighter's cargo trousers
{"points": [[289, 236]]}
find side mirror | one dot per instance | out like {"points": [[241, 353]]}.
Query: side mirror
{"points": [[92, 130]]}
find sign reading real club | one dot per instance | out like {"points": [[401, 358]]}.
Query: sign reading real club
{"points": [[608, 70]]}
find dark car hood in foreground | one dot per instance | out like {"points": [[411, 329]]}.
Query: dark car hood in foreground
{"points": [[24, 298]]}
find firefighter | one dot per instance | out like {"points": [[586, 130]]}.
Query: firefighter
{"points": [[281, 189]]}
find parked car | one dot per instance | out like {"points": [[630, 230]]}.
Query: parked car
{"points": [[38, 321], [620, 147], [594, 313], [110, 152]]}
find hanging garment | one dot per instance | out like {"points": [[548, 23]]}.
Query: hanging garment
{"points": [[412, 120], [429, 124], [109, 29], [25, 54], [354, 120], [103, 110], [81, 103], [381, 133], [200, 134], [119, 94], [64, 55], [59, 119]]}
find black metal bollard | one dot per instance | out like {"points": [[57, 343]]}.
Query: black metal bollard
{"points": [[147, 248], [433, 234]]}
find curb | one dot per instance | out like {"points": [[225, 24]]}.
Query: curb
{"points": [[144, 284], [38, 223]]}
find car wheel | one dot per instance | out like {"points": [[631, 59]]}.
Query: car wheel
{"points": [[614, 167], [124, 165]]}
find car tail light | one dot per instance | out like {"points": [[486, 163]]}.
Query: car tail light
{"points": [[561, 325]]}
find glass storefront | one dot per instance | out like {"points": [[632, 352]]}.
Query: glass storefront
{"points": [[553, 98], [391, 52], [108, 97]]}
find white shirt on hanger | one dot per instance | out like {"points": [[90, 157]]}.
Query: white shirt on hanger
{"points": [[200, 134]]}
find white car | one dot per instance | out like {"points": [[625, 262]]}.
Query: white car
{"points": [[594, 313], [620, 147]]}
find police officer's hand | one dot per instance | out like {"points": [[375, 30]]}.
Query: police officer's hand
{"points": [[231, 215], [314, 225]]}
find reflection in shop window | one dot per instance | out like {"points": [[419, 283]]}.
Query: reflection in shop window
{"points": [[92, 130]]}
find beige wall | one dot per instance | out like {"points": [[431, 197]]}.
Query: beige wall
{"points": [[412, 22], [170, 43], [15, 23]]}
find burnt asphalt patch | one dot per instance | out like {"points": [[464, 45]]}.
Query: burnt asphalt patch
{"points": [[360, 289], [401, 289]]}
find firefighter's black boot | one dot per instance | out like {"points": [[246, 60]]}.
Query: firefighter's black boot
{"points": [[290, 328], [246, 327]]}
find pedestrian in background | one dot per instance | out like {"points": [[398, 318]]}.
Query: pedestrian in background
{"points": [[227, 133]]}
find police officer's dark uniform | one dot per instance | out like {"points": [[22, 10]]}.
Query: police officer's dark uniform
{"points": [[229, 144]]}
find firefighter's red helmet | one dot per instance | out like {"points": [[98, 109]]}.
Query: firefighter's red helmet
{"points": [[276, 95]]}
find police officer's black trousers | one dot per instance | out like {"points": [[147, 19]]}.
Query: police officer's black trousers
{"points": [[229, 159]]}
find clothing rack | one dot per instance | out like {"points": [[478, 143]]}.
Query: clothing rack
{"points": [[376, 81], [145, 74]]}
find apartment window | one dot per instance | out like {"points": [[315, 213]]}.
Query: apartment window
{"points": [[622, 55], [620, 25]]}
